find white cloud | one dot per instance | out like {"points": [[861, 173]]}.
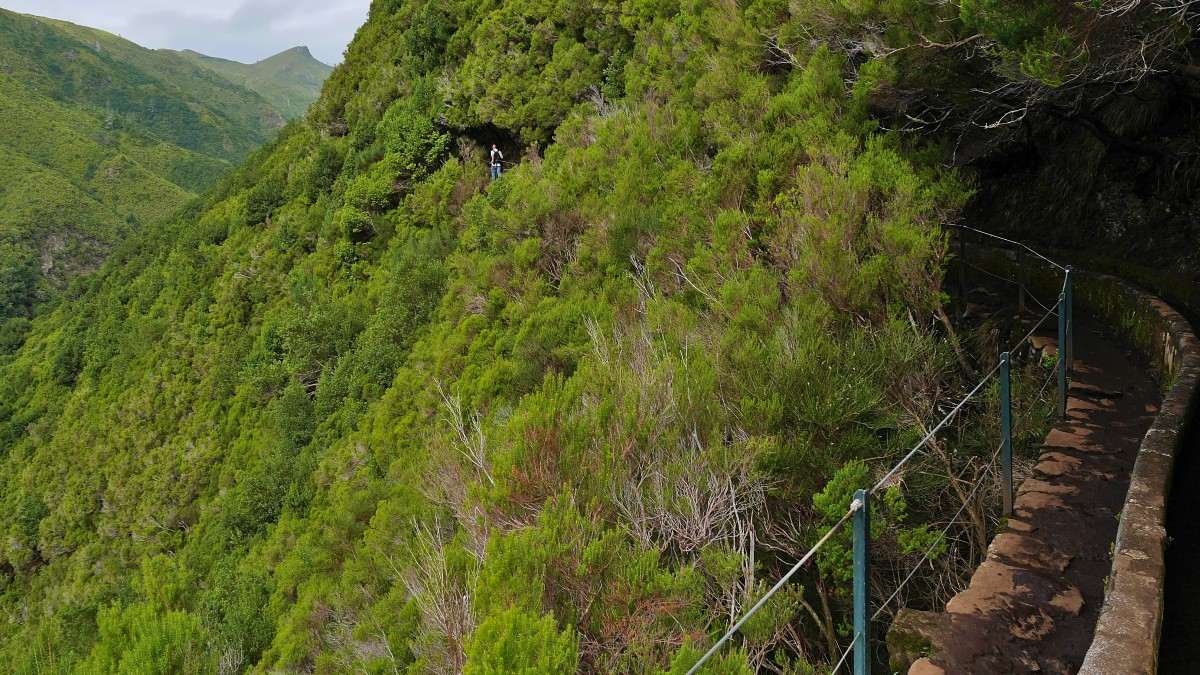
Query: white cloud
{"points": [[243, 30]]}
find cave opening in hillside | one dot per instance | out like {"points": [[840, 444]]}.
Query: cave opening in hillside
{"points": [[485, 135]]}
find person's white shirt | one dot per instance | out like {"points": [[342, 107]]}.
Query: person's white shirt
{"points": [[497, 155]]}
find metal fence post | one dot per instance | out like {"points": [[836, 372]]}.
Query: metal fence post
{"points": [[1006, 450], [1062, 354], [962, 270], [1020, 281], [1069, 308], [862, 621]]}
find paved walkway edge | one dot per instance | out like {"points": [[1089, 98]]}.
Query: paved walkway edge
{"points": [[1130, 623]]}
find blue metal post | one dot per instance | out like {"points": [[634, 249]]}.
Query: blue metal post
{"points": [[862, 620], [1020, 282], [962, 270], [1006, 473], [1068, 306], [1062, 354]]}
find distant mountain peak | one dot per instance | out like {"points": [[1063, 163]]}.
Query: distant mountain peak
{"points": [[289, 80], [298, 52], [302, 52]]}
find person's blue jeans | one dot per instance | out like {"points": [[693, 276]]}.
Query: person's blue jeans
{"points": [[495, 171]]}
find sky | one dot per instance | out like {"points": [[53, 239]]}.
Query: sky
{"points": [[242, 30]]}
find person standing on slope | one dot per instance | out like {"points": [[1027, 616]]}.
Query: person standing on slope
{"points": [[497, 157]]}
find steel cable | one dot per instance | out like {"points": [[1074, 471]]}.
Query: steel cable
{"points": [[1010, 241], [953, 519], [894, 470], [774, 589]]}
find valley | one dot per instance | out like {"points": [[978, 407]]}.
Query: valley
{"points": [[100, 137]]}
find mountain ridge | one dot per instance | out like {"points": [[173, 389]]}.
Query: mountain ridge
{"points": [[117, 137], [290, 80], [301, 51]]}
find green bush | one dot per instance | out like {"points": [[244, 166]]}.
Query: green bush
{"points": [[371, 192], [12, 333], [67, 362], [414, 145], [520, 643], [138, 640], [326, 165], [354, 224], [262, 200]]}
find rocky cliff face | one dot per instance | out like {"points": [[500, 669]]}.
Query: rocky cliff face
{"points": [[1118, 181]]}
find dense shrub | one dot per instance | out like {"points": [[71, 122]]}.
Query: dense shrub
{"points": [[363, 409], [519, 643]]}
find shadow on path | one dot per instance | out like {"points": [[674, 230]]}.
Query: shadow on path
{"points": [[1032, 605]]}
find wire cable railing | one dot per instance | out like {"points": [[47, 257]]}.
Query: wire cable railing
{"points": [[1028, 293], [933, 432], [927, 555], [861, 638], [774, 589], [845, 655], [1018, 244]]}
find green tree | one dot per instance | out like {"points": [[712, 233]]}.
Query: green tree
{"points": [[515, 641], [137, 639]]}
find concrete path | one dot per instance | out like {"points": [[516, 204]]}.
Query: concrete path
{"points": [[1031, 607]]}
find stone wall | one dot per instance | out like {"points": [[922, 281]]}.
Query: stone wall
{"points": [[1130, 624]]}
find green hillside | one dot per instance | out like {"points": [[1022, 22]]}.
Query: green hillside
{"points": [[98, 137], [361, 409], [158, 94], [290, 80]]}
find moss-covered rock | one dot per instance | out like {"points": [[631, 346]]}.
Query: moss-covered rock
{"points": [[912, 636]]}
